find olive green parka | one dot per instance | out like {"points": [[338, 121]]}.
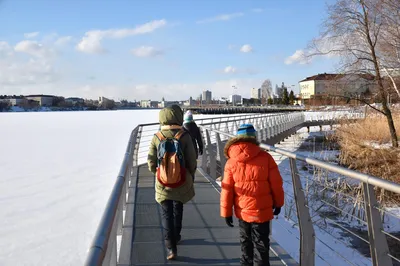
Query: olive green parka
{"points": [[171, 119]]}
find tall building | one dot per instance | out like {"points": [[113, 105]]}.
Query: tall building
{"points": [[279, 90], [255, 93], [207, 97], [235, 99]]}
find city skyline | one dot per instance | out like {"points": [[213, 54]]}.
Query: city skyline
{"points": [[179, 49]]}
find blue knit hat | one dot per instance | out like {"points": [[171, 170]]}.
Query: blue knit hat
{"points": [[188, 117], [246, 130]]}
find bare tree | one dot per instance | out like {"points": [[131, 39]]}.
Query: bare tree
{"points": [[266, 91], [353, 30], [389, 43]]}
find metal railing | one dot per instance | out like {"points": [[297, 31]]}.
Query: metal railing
{"points": [[112, 242], [113, 236]]}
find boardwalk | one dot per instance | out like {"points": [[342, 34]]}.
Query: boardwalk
{"points": [[206, 240]]}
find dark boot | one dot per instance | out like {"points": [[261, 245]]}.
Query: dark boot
{"points": [[171, 254], [246, 243], [260, 234]]}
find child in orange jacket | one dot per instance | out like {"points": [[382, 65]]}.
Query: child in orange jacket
{"points": [[252, 185]]}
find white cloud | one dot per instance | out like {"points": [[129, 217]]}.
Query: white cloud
{"points": [[31, 35], [61, 41], [146, 51], [5, 50], [257, 10], [18, 71], [298, 57], [229, 69], [328, 47], [246, 48], [91, 42], [33, 48], [234, 70], [223, 17]]}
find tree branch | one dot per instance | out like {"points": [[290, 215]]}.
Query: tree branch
{"points": [[360, 100]]}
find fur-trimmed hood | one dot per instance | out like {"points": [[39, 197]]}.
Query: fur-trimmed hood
{"points": [[242, 148]]}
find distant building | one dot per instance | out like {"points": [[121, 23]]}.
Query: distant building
{"points": [[43, 100], [207, 97], [164, 104], [103, 100], [14, 100], [322, 84], [190, 102], [279, 90], [235, 99], [149, 104], [145, 103], [74, 100], [255, 93]]}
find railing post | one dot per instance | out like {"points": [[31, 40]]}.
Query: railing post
{"points": [[273, 127], [307, 234], [205, 151], [377, 239], [211, 157], [268, 128], [220, 150], [264, 129], [137, 144]]}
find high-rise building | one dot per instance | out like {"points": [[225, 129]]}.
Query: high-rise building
{"points": [[255, 93], [207, 97], [235, 99], [279, 90]]}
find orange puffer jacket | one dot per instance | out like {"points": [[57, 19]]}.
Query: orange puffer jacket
{"points": [[252, 183]]}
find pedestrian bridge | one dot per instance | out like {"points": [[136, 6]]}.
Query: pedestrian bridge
{"points": [[323, 222]]}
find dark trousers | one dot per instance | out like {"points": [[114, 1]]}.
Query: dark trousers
{"points": [[254, 235], [171, 216]]}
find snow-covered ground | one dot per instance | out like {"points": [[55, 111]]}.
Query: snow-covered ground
{"points": [[57, 170]]}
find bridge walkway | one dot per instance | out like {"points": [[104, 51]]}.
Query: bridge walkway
{"points": [[206, 240]]}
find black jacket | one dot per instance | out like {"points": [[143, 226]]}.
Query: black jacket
{"points": [[194, 132]]}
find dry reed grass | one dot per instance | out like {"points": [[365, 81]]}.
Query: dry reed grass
{"points": [[366, 146]]}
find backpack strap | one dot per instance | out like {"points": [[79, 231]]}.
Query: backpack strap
{"points": [[180, 134], [160, 136]]}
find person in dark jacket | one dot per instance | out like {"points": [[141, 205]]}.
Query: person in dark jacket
{"points": [[194, 132]]}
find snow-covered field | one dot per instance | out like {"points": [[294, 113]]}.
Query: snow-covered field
{"points": [[57, 170]]}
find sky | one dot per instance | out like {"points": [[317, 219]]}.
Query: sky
{"points": [[123, 49]]}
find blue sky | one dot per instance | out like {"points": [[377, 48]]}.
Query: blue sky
{"points": [[149, 49]]}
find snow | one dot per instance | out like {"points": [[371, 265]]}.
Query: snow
{"points": [[57, 172], [376, 145]]}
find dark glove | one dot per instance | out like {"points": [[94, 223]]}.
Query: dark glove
{"points": [[277, 210], [229, 221], [201, 152]]}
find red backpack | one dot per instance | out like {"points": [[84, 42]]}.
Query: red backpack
{"points": [[171, 171]]}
